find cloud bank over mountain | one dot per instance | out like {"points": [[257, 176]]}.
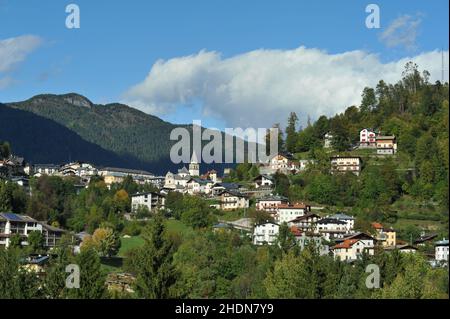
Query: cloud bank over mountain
{"points": [[259, 88]]}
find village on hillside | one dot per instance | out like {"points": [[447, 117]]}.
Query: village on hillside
{"points": [[333, 234]]}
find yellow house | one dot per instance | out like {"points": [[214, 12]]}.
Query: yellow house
{"points": [[386, 236], [386, 145]]}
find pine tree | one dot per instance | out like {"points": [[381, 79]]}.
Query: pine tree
{"points": [[155, 273], [291, 134], [92, 280]]}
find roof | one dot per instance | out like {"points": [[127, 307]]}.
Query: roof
{"points": [[200, 181], [147, 193], [295, 231], [287, 155], [16, 218], [425, 238], [221, 225], [329, 220], [263, 175], [292, 206], [339, 156], [36, 260], [306, 216], [442, 243], [348, 243], [386, 137], [358, 235], [377, 225], [342, 216], [401, 247], [52, 228], [227, 185], [265, 223], [125, 170], [47, 165], [272, 198], [183, 170], [232, 192]]}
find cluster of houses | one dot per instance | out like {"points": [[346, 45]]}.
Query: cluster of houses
{"points": [[17, 170], [370, 139], [335, 234]]}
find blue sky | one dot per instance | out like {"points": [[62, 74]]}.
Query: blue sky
{"points": [[120, 41]]}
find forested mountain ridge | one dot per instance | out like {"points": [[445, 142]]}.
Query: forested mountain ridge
{"points": [[41, 140], [134, 138], [115, 127]]}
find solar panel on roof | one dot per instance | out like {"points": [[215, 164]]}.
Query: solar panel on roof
{"points": [[12, 217]]}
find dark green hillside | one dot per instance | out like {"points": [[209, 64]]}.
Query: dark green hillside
{"points": [[131, 137], [115, 127], [41, 140]]}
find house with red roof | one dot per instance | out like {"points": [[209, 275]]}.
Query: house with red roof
{"points": [[352, 249]]}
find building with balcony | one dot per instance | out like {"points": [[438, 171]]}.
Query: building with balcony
{"points": [[12, 224]]}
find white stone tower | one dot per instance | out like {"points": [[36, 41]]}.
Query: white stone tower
{"points": [[194, 166]]}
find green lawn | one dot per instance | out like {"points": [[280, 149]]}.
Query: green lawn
{"points": [[176, 226], [129, 243], [231, 215]]}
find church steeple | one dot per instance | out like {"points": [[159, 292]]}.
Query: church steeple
{"points": [[194, 166]]}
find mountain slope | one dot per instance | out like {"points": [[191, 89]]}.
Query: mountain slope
{"points": [[41, 140], [115, 127], [136, 139]]}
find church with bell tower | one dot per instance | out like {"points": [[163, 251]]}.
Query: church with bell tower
{"points": [[194, 166]]}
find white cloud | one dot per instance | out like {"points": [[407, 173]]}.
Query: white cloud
{"points": [[402, 32], [261, 87], [14, 51]]}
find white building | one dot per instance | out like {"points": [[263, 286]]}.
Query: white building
{"points": [[327, 140], [344, 164], [367, 138], [305, 223], [79, 169], [230, 200], [194, 166], [45, 169], [441, 250], [386, 145], [288, 212], [151, 200], [263, 180], [352, 249], [112, 175], [265, 233], [198, 186], [345, 218], [177, 181], [331, 228], [270, 203], [11, 224], [303, 164]]}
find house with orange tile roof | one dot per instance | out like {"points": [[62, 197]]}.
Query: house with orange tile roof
{"points": [[385, 236], [352, 249], [306, 223]]}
